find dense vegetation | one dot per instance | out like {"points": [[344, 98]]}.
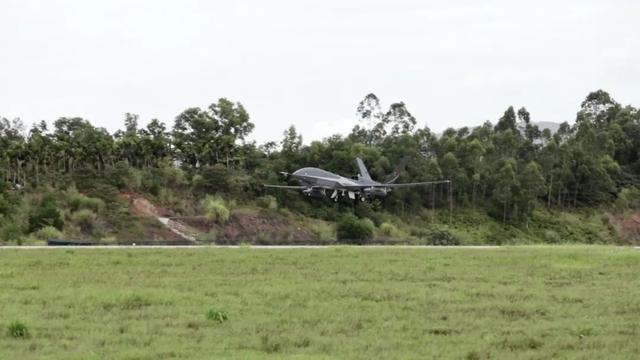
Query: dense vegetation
{"points": [[340, 303], [70, 177]]}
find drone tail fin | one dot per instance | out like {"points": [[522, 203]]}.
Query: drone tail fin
{"points": [[364, 173], [391, 178]]}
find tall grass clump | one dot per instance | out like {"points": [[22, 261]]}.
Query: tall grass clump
{"points": [[323, 231], [84, 202], [48, 232], [388, 229], [391, 231], [18, 330], [217, 315], [85, 219], [267, 202], [215, 209]]}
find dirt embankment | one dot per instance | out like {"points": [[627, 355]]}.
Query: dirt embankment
{"points": [[628, 226], [173, 230], [142, 206], [254, 227]]}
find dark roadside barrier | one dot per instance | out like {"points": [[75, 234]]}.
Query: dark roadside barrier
{"points": [[154, 242], [273, 242], [294, 242], [58, 242]]}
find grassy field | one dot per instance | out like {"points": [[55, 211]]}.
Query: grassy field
{"points": [[520, 302]]}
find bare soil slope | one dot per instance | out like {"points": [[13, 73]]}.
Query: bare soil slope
{"points": [[253, 226], [244, 225], [161, 229], [628, 226]]}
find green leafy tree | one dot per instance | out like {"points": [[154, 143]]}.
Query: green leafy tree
{"points": [[506, 185], [507, 121], [234, 126], [400, 119], [46, 214], [372, 120], [531, 186], [292, 141]]}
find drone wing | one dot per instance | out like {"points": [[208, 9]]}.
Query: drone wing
{"points": [[411, 184], [294, 187]]}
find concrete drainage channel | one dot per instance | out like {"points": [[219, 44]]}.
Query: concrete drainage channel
{"points": [[177, 228], [144, 207]]}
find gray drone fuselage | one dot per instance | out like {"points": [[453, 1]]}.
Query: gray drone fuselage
{"points": [[318, 181], [315, 182]]}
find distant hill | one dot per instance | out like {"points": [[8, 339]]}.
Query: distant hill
{"points": [[552, 126]]}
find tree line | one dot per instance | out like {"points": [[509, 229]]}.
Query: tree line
{"points": [[508, 168]]}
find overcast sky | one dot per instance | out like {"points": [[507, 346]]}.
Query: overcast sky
{"points": [[309, 63]]}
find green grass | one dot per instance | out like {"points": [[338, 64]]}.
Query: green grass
{"points": [[398, 303]]}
